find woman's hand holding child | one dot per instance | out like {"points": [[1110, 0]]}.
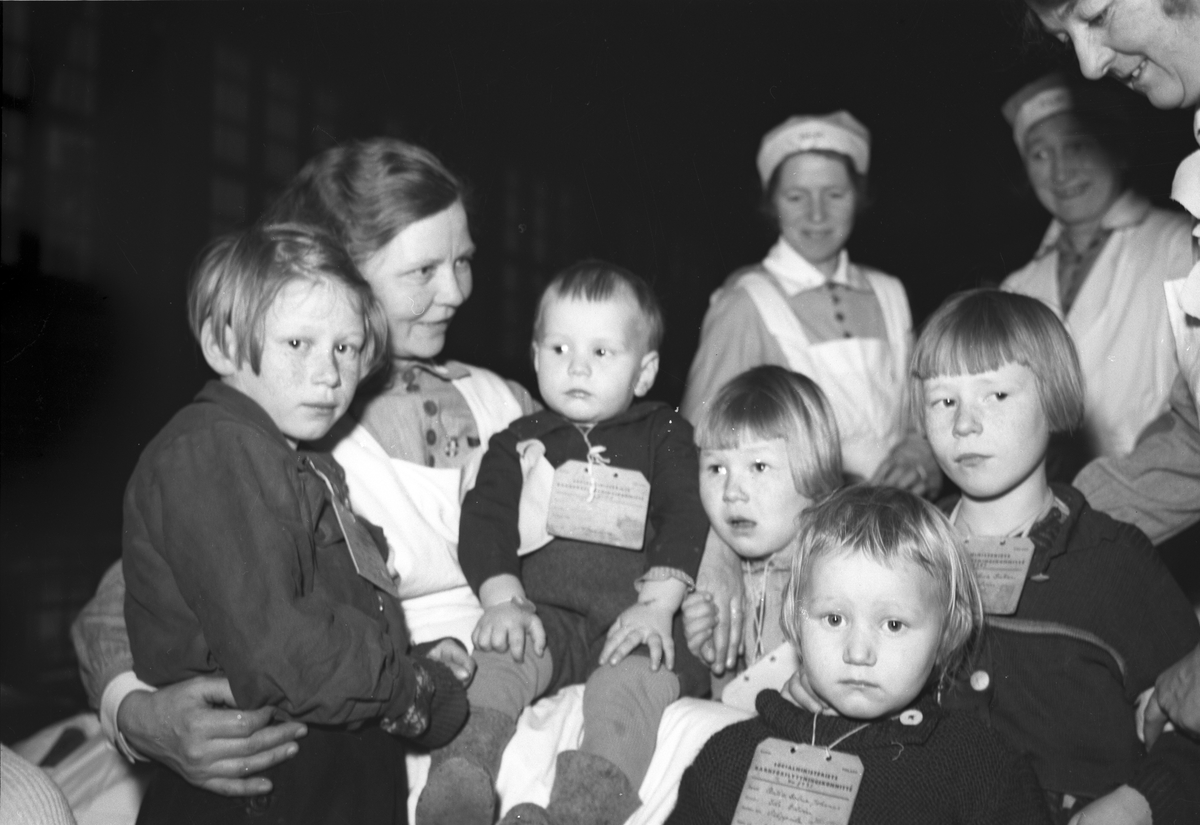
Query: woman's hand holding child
{"points": [[193, 728]]}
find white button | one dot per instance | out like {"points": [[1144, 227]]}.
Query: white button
{"points": [[911, 717], [980, 680]]}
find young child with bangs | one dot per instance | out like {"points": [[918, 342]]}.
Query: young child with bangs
{"points": [[1082, 614], [880, 608], [769, 448], [242, 557], [581, 536]]}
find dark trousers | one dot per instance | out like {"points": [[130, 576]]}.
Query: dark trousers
{"points": [[337, 777]]}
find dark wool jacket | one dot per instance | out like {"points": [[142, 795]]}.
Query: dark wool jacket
{"points": [[235, 564], [948, 768], [590, 579], [1099, 619]]}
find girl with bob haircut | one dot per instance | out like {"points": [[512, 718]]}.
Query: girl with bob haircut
{"points": [[880, 609], [768, 448], [240, 275], [982, 330], [1091, 616]]}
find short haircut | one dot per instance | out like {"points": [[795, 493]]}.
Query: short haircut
{"points": [[982, 330], [858, 181], [769, 402], [596, 280], [887, 524], [365, 192], [240, 275]]}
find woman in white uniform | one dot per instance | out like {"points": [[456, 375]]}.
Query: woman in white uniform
{"points": [[1102, 263], [806, 306]]}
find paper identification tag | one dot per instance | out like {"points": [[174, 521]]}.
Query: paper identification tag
{"points": [[606, 505], [793, 783], [368, 563], [1000, 568]]}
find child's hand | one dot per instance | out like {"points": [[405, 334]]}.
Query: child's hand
{"points": [[505, 626], [641, 624], [699, 619], [912, 467], [453, 655]]}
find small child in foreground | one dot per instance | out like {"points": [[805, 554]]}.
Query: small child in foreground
{"points": [[242, 557], [581, 536], [768, 449], [881, 607], [1082, 613]]}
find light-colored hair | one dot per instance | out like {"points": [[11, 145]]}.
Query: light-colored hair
{"points": [[982, 330], [889, 525], [240, 275], [769, 402], [596, 280], [365, 192]]}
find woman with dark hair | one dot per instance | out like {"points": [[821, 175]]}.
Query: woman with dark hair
{"points": [[1103, 261], [809, 308]]}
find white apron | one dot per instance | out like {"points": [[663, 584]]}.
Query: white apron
{"points": [[418, 509], [863, 378], [1183, 295], [1119, 322]]}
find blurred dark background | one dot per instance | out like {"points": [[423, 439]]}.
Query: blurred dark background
{"points": [[134, 132]]}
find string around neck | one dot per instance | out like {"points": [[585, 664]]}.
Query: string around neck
{"points": [[829, 748]]}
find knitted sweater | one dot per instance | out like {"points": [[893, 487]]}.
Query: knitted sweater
{"points": [[946, 768], [1100, 617]]}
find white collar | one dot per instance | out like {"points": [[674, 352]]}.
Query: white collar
{"points": [[1129, 209], [795, 274]]}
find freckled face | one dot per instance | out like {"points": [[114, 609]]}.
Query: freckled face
{"points": [[988, 430], [313, 337], [1137, 43], [750, 496], [421, 277], [868, 633]]}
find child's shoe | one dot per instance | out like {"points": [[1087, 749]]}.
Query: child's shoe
{"points": [[588, 790], [461, 789]]}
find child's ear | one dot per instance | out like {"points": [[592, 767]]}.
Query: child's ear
{"points": [[223, 363], [647, 375]]}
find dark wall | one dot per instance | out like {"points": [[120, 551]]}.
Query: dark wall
{"points": [[623, 130]]}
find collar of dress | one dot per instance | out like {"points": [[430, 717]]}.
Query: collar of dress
{"points": [[448, 371], [797, 275], [1128, 210]]}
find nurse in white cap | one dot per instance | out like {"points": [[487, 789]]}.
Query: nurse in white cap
{"points": [[1103, 261], [806, 306]]}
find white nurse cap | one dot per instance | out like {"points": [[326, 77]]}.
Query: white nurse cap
{"points": [[1037, 101], [836, 132]]}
